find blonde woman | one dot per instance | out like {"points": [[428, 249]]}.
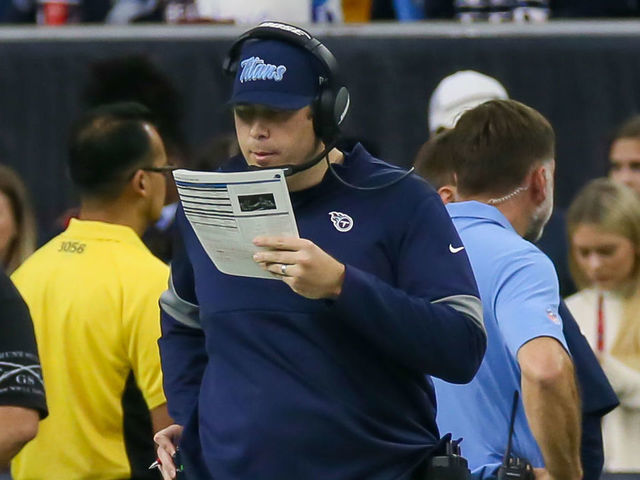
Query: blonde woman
{"points": [[604, 232], [17, 225]]}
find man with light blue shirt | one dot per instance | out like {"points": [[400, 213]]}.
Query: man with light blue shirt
{"points": [[504, 152]]}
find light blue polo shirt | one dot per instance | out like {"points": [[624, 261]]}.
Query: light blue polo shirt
{"points": [[519, 291]]}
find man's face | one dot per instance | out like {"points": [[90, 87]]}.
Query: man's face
{"points": [[543, 213], [272, 138], [624, 157]]}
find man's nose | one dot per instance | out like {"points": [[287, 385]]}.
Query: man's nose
{"points": [[258, 129]]}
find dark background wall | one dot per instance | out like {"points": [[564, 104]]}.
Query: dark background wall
{"points": [[585, 77]]}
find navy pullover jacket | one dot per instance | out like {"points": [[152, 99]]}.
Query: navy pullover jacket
{"points": [[273, 386]]}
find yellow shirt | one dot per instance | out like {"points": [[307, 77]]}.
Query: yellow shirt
{"points": [[93, 294]]}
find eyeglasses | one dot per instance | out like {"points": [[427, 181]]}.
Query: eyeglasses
{"points": [[162, 169]]}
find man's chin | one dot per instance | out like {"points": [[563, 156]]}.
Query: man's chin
{"points": [[265, 161]]}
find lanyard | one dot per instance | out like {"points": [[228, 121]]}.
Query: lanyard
{"points": [[600, 344]]}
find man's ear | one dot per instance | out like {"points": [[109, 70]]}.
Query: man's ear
{"points": [[139, 183], [538, 179], [448, 193]]}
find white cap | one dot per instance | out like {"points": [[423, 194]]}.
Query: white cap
{"points": [[458, 93]]}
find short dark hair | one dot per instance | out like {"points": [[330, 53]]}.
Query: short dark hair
{"points": [[629, 129], [106, 145], [435, 160], [496, 144]]}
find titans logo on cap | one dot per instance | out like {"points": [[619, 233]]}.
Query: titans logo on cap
{"points": [[276, 74], [254, 69]]}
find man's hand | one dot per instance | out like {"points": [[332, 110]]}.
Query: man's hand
{"points": [[167, 439], [305, 267]]}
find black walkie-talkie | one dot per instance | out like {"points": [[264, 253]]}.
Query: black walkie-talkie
{"points": [[450, 464], [513, 468]]}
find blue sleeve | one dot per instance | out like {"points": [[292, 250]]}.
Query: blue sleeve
{"points": [[526, 305], [431, 321], [182, 344]]}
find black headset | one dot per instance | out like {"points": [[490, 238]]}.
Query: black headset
{"points": [[332, 100]]}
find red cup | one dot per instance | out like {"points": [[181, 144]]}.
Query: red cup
{"points": [[57, 12]]}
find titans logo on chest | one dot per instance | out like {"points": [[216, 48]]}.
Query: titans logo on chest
{"points": [[341, 221]]}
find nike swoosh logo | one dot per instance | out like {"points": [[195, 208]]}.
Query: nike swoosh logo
{"points": [[456, 249]]}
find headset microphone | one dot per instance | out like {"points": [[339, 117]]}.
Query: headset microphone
{"points": [[293, 169]]}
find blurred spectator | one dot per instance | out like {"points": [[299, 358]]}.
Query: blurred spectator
{"points": [[93, 295], [126, 11], [604, 228], [135, 78], [444, 9], [256, 11], [22, 398], [25, 11], [17, 224], [330, 11], [624, 154], [459, 92]]}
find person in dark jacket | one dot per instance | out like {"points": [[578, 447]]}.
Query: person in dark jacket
{"points": [[322, 370]]}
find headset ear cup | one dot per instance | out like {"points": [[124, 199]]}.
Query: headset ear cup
{"points": [[230, 61], [341, 106], [323, 119], [329, 112], [229, 66]]}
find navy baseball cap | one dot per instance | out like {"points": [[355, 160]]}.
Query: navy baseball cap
{"points": [[275, 74]]}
